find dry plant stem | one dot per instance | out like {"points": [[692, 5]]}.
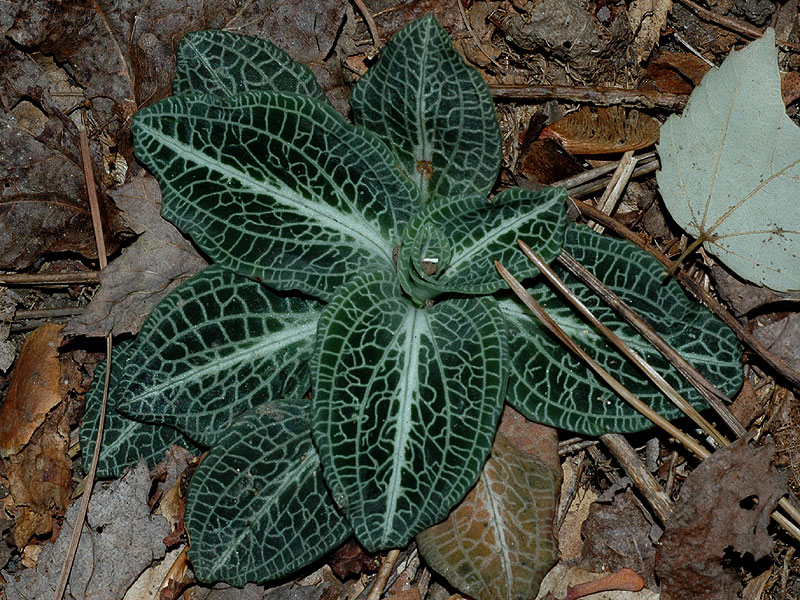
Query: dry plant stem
{"points": [[622, 175], [609, 379], [624, 348], [592, 174], [744, 336], [36, 279], [572, 489], [387, 566], [727, 22], [626, 394], [644, 480], [373, 28], [716, 399], [594, 186], [101, 255], [597, 96], [48, 313]]}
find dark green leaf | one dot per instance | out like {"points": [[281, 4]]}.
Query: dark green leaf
{"points": [[434, 112], [258, 508], [406, 402], [276, 186], [549, 385], [214, 348], [224, 63], [477, 232], [125, 441]]}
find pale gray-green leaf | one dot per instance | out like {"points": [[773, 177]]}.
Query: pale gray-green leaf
{"points": [[730, 168], [478, 232], [214, 348], [125, 441], [258, 507], [549, 385], [434, 112], [406, 401], [276, 186], [225, 63]]}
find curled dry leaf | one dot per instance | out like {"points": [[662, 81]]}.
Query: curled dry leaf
{"points": [[34, 389], [647, 18], [498, 542], [724, 505], [40, 479], [145, 272], [604, 131]]}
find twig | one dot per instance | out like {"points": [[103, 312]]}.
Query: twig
{"points": [[598, 96], [101, 256], [620, 178], [609, 379], [387, 566], [644, 480], [35, 279], [654, 376], [623, 580], [48, 313], [741, 332], [716, 399], [373, 28]]}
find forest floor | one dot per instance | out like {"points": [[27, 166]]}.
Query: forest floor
{"points": [[624, 66]]}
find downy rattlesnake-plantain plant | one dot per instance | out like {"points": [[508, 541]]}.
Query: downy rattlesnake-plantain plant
{"points": [[355, 260]]}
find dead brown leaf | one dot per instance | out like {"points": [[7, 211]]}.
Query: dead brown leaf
{"points": [[498, 542], [40, 479], [604, 131], [159, 260], [617, 535], [43, 206], [782, 338], [724, 506], [34, 389], [674, 72]]}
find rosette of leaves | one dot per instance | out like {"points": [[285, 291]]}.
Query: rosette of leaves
{"points": [[354, 260]]}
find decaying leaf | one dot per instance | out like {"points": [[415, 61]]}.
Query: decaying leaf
{"points": [[43, 201], [34, 388], [730, 167], [604, 131], [725, 505], [782, 338], [40, 479], [159, 260], [120, 539], [617, 535], [498, 542]]}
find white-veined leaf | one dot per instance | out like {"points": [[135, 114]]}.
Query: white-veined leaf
{"points": [[276, 186], [406, 401], [549, 385], [258, 507], [225, 63], [217, 346], [434, 112]]}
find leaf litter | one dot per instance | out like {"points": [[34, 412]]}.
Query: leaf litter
{"points": [[54, 121]]}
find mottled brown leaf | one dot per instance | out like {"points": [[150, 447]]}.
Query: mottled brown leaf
{"points": [[604, 131], [133, 283], [782, 338], [617, 535], [34, 389], [498, 543], [40, 479], [724, 506], [43, 200]]}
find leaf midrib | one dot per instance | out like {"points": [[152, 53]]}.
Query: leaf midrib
{"points": [[324, 214], [414, 322], [269, 346]]}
